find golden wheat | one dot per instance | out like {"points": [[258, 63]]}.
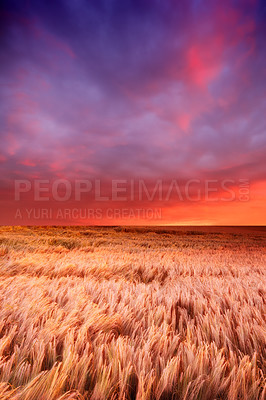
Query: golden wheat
{"points": [[127, 313]]}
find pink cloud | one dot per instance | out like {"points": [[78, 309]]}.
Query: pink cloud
{"points": [[27, 163], [202, 65], [2, 158], [184, 121]]}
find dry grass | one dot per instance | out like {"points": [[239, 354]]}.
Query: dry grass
{"points": [[121, 313]]}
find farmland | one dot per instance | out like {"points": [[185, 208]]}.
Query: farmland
{"points": [[132, 313]]}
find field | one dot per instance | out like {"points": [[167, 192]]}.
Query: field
{"points": [[132, 313]]}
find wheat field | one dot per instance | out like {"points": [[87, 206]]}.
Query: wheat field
{"points": [[132, 313]]}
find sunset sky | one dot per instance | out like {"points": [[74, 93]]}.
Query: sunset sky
{"points": [[134, 90]]}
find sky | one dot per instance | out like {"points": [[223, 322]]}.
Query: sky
{"points": [[101, 95]]}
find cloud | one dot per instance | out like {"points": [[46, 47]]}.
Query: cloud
{"points": [[133, 89]]}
